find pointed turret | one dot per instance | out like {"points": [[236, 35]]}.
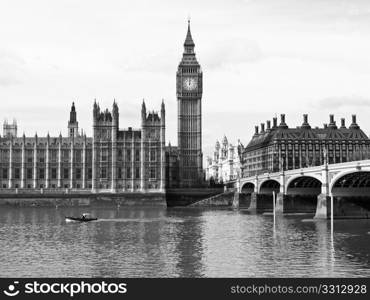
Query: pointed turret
{"points": [[72, 123], [189, 39], [225, 141], [72, 114], [217, 146], [189, 43], [96, 110], [143, 113], [162, 106], [163, 113], [115, 113]]}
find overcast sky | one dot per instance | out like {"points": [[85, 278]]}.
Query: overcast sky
{"points": [[259, 58]]}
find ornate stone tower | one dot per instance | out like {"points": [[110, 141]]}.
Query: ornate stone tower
{"points": [[104, 148], [189, 87], [72, 123], [10, 130]]}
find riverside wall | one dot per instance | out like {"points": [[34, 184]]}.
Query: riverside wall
{"points": [[84, 199]]}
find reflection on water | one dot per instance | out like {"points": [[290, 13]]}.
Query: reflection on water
{"points": [[155, 242]]}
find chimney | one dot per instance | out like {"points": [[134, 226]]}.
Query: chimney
{"points": [[274, 122], [305, 122], [332, 122], [262, 127], [282, 121], [268, 124], [342, 123], [354, 123], [325, 125], [255, 130]]}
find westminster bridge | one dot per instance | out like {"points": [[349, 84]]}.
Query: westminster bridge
{"points": [[309, 190]]}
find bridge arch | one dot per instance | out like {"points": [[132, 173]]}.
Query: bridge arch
{"points": [[351, 193], [301, 194], [247, 188], [268, 186], [303, 185], [351, 183]]}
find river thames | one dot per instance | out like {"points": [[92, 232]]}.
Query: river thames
{"points": [[181, 242]]}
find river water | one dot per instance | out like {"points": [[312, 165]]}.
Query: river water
{"points": [[179, 242]]}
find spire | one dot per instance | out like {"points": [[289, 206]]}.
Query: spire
{"points": [[189, 40], [189, 43], [162, 105], [73, 114], [163, 113], [143, 111], [115, 110]]}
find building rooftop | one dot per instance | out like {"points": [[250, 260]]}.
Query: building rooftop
{"points": [[305, 132]]}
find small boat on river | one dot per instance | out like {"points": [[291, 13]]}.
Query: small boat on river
{"points": [[84, 218]]}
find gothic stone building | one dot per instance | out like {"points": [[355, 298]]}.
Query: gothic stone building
{"points": [[111, 160], [224, 165], [282, 148]]}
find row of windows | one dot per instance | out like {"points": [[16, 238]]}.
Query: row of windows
{"points": [[120, 173], [189, 70], [152, 155], [78, 156], [41, 186], [78, 186], [317, 146], [273, 165], [41, 156], [349, 147], [42, 175], [78, 173]]}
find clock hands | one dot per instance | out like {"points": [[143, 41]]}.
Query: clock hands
{"points": [[189, 83]]}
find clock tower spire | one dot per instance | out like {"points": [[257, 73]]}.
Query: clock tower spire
{"points": [[189, 89], [189, 43]]}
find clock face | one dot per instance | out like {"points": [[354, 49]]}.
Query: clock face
{"points": [[190, 84]]}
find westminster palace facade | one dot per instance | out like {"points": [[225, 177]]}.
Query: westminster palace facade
{"points": [[113, 159]]}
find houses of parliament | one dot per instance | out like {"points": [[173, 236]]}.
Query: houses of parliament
{"points": [[113, 159]]}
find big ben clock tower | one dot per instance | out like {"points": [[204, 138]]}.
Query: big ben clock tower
{"points": [[189, 88]]}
